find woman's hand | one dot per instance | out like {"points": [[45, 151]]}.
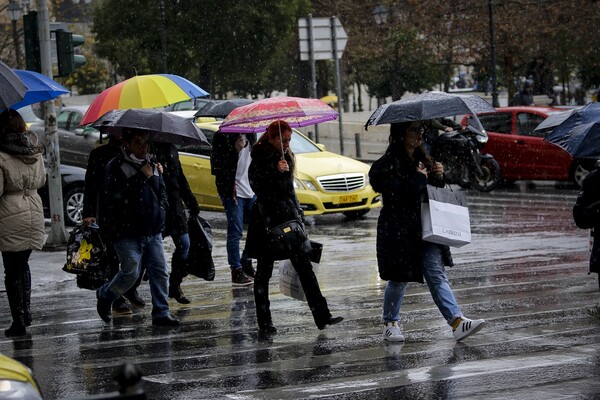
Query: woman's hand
{"points": [[283, 166], [421, 168], [437, 168]]}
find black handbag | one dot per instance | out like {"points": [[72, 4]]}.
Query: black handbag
{"points": [[286, 239], [200, 262]]}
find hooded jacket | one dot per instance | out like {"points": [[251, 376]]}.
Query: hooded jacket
{"points": [[22, 173]]}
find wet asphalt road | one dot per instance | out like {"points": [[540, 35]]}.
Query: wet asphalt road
{"points": [[525, 273]]}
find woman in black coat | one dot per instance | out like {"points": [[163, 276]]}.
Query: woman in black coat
{"points": [[586, 213], [401, 176], [271, 175]]}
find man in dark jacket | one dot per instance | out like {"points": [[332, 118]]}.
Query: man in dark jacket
{"points": [[230, 159], [178, 190], [136, 201], [93, 202], [586, 214]]}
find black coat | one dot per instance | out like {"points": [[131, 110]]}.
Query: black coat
{"points": [[94, 192], [178, 190], [224, 160], [399, 232], [135, 205], [586, 213], [276, 200]]}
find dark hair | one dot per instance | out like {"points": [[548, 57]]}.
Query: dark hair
{"points": [[273, 131], [12, 122], [396, 147]]}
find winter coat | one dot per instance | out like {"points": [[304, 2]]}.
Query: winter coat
{"points": [[94, 192], [586, 213], [135, 205], [399, 232], [178, 190], [22, 173], [224, 160], [276, 200]]}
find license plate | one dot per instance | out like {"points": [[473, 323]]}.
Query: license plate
{"points": [[350, 198]]}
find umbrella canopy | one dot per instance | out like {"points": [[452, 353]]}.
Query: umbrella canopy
{"points": [[296, 111], [578, 133], [428, 105], [162, 126], [220, 108], [582, 141], [571, 118], [143, 91], [12, 89], [39, 88]]}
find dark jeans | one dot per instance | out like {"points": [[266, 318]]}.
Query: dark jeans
{"points": [[17, 280], [302, 265]]}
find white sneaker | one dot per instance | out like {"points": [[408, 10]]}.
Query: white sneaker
{"points": [[391, 332], [467, 327]]}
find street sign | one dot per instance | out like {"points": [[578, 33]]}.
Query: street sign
{"points": [[322, 38]]}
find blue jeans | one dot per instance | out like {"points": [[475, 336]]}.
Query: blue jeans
{"points": [[179, 258], [435, 276], [235, 224], [132, 252]]}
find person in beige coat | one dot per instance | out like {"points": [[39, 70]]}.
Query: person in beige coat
{"points": [[22, 173]]}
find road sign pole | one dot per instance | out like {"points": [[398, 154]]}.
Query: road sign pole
{"points": [[313, 67], [338, 85], [58, 234]]}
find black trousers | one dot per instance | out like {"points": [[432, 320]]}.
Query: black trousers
{"points": [[17, 279], [314, 298]]}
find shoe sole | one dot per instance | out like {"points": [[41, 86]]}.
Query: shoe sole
{"points": [[393, 339], [129, 312], [240, 285], [472, 331]]}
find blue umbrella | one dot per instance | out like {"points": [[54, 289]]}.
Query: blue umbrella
{"points": [[578, 133], [39, 88]]}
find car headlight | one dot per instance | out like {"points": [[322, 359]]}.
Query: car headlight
{"points": [[10, 389], [303, 184]]}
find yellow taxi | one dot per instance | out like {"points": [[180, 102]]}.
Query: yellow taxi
{"points": [[325, 182], [16, 381]]}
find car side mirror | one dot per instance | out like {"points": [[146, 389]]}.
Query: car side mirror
{"points": [[321, 146]]}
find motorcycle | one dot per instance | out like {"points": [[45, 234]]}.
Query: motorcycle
{"points": [[464, 163]]}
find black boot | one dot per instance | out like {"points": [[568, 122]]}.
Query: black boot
{"points": [[176, 293], [15, 294], [27, 298], [261, 297]]}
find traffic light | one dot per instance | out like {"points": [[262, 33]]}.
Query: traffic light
{"points": [[68, 61], [32, 42]]}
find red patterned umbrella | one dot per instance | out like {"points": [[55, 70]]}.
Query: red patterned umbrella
{"points": [[296, 111]]}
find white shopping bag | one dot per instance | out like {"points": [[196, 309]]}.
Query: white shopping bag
{"points": [[445, 218], [289, 282]]}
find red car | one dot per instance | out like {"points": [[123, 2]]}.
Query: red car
{"points": [[522, 153]]}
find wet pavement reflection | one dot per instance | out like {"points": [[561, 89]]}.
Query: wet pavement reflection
{"points": [[525, 272]]}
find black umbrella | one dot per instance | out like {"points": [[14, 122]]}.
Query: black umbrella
{"points": [[12, 89], [429, 105], [162, 126], [576, 131], [220, 108]]}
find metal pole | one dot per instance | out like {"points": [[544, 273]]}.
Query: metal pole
{"points": [[338, 85], [313, 67], [357, 142], [58, 234], [163, 37], [16, 41], [495, 102]]}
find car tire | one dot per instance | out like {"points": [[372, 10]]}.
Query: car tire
{"points": [[355, 214], [73, 203]]}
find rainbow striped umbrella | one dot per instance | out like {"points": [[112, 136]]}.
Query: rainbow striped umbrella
{"points": [[143, 91]]}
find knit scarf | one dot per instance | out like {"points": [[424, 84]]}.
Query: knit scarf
{"points": [[20, 143]]}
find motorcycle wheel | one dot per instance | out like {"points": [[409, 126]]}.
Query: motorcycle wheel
{"points": [[490, 178]]}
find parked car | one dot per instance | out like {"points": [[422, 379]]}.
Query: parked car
{"points": [[521, 152], [325, 182], [75, 142], [73, 180]]}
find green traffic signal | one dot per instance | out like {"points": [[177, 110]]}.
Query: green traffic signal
{"points": [[68, 61]]}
